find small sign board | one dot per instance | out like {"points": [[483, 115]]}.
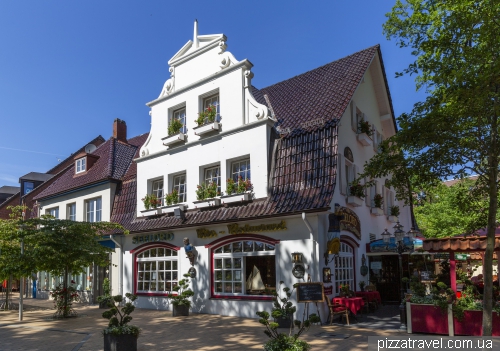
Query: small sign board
{"points": [[461, 257], [310, 292], [425, 275], [328, 290], [376, 265]]}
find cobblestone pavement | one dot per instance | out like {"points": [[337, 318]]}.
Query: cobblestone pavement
{"points": [[160, 331]]}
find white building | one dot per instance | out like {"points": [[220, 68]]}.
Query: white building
{"points": [[298, 142]]}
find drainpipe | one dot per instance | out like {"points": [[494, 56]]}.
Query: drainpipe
{"points": [[120, 285], [311, 237]]}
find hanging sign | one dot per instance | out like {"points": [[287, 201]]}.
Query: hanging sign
{"points": [[350, 222], [462, 257], [328, 290]]}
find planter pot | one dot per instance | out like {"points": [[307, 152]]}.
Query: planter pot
{"points": [[472, 324], [236, 198], [125, 342], [354, 201], [364, 139], [171, 208], [103, 304], [428, 319], [206, 128], [392, 219], [173, 139], [377, 211], [207, 203], [284, 322], [180, 310], [151, 212]]}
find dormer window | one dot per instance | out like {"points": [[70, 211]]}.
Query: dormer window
{"points": [[81, 165]]}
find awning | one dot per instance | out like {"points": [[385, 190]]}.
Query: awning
{"points": [[379, 246], [108, 243]]}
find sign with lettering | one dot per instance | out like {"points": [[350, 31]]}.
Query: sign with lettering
{"points": [[328, 290], [350, 222], [310, 292], [204, 233], [462, 257], [376, 265], [149, 238], [236, 229]]}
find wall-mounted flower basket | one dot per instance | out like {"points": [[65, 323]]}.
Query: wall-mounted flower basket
{"points": [[392, 219], [176, 138], [354, 201], [364, 139], [171, 208], [207, 203], [206, 128], [151, 212], [377, 211], [243, 197]]}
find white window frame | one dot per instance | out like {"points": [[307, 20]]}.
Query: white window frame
{"points": [[180, 114], [93, 210], [212, 100], [71, 211], [208, 176], [226, 258], [344, 268], [54, 212], [157, 187], [236, 169], [179, 184], [150, 268], [349, 170], [81, 165]]}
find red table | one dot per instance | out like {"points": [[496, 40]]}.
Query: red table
{"points": [[353, 303], [370, 296]]}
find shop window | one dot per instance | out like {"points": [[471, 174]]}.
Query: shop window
{"points": [[157, 270], [244, 267], [344, 268], [93, 210]]}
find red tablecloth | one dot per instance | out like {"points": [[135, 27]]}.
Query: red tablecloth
{"points": [[370, 296], [352, 303]]}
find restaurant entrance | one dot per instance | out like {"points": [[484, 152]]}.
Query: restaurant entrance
{"points": [[385, 274]]}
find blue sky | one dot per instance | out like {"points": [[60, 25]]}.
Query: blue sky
{"points": [[69, 68]]}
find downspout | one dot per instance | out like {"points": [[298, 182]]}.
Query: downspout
{"points": [[311, 237], [120, 285]]}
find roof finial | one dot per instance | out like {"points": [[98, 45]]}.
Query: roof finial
{"points": [[196, 43]]}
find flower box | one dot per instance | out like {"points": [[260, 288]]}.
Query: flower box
{"points": [[174, 139], [364, 139], [472, 324], [206, 128], [242, 197], [428, 319], [171, 208], [392, 219], [207, 203], [354, 201], [151, 211], [377, 211]]}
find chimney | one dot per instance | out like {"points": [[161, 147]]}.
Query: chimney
{"points": [[120, 130]]}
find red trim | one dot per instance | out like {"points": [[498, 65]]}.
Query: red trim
{"points": [[256, 237], [154, 244], [348, 239], [242, 297]]}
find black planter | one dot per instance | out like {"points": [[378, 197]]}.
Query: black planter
{"points": [[284, 322], [103, 304], [180, 310], [125, 342]]}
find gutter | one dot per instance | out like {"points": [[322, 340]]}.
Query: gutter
{"points": [[119, 244]]}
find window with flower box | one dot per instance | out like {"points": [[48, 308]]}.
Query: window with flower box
{"points": [[157, 190], [241, 169], [179, 115], [157, 270], [212, 101], [244, 267], [179, 185], [212, 175]]}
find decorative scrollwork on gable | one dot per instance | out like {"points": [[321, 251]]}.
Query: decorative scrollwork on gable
{"points": [[168, 87]]}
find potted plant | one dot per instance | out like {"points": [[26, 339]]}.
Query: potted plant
{"points": [[362, 285], [207, 116], [286, 341], [393, 213], [119, 335], [151, 201], [180, 300], [356, 189], [106, 298], [283, 308], [364, 128], [378, 200], [175, 126], [206, 191], [345, 290], [172, 198]]}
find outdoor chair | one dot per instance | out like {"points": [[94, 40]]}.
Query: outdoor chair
{"points": [[370, 287], [338, 309]]}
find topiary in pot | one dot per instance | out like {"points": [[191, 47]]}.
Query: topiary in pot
{"points": [[119, 335], [283, 308], [180, 301]]}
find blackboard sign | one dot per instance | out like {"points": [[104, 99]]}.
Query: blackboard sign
{"points": [[310, 292]]}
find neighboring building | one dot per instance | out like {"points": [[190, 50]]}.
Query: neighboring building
{"points": [[7, 192], [300, 145], [85, 191]]}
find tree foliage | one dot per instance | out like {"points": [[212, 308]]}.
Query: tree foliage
{"points": [[454, 132]]}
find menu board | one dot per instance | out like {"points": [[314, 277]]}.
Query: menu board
{"points": [[310, 292]]}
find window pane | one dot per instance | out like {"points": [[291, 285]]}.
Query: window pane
{"points": [[237, 246], [248, 246], [227, 248], [218, 263]]}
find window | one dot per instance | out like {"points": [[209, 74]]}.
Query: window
{"points": [[244, 267], [94, 210], [179, 184], [212, 175], [212, 100], [157, 270], [80, 165], [28, 187], [180, 114], [157, 189], [344, 268], [71, 212], [54, 212], [240, 169]]}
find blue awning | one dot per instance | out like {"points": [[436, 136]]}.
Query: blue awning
{"points": [[108, 243]]}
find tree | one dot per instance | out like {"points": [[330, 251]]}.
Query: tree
{"points": [[454, 132]]}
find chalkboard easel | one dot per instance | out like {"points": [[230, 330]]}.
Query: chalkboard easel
{"points": [[310, 292]]}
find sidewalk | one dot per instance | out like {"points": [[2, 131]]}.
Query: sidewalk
{"points": [[160, 331]]}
